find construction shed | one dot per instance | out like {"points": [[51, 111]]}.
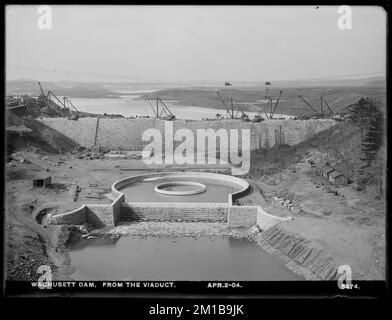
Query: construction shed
{"points": [[337, 178], [324, 171], [42, 181]]}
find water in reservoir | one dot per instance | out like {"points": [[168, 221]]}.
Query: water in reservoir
{"points": [[175, 259], [130, 106], [217, 191]]}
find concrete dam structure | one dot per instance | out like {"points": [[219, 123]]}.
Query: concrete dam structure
{"points": [[127, 133]]}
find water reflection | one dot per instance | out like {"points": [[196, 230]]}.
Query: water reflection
{"points": [[215, 258], [99, 242]]}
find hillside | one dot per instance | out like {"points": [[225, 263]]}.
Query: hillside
{"points": [[326, 146], [69, 89], [254, 99], [334, 82], [339, 145], [29, 134]]}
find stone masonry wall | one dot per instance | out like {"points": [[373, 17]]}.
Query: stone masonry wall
{"points": [[242, 216], [100, 215], [127, 133], [175, 212], [77, 216]]}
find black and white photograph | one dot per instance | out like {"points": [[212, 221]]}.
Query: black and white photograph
{"points": [[195, 148]]}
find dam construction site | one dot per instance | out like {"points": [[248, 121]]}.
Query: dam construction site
{"points": [[276, 194]]}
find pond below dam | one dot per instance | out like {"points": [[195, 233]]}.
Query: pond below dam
{"points": [[175, 259]]}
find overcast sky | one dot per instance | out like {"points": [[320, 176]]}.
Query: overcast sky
{"points": [[243, 43]]}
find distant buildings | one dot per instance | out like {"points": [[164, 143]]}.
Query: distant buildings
{"points": [[337, 178], [324, 170], [332, 175]]}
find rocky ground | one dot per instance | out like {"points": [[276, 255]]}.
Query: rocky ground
{"points": [[171, 229]]}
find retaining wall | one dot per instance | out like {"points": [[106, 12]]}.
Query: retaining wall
{"points": [[207, 212], [242, 216], [247, 216], [127, 133], [77, 216]]}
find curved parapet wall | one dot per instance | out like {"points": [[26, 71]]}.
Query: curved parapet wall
{"points": [[77, 216], [198, 188], [242, 184], [99, 215]]}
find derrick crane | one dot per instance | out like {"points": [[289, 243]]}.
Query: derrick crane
{"points": [[268, 86], [329, 107], [73, 117], [244, 116], [42, 91], [258, 117], [63, 103], [164, 109], [231, 114], [276, 105], [307, 103], [50, 93], [67, 100]]}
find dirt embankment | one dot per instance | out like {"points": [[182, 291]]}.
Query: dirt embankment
{"points": [[29, 244], [349, 225], [40, 137]]}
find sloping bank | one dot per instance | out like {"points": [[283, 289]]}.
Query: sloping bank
{"points": [[300, 255]]}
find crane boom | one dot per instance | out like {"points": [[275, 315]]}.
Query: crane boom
{"points": [[164, 109], [67, 100], [243, 114], [50, 93], [307, 103], [329, 107], [42, 91], [276, 104], [223, 102]]}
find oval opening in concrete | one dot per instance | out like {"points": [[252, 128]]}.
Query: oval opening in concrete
{"points": [[180, 188]]}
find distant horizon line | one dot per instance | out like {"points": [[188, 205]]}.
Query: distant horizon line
{"points": [[341, 77]]}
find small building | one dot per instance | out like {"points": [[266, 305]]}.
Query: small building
{"points": [[42, 181], [324, 170], [318, 169], [337, 178]]}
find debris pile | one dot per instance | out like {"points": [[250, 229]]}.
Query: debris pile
{"points": [[91, 155], [17, 157], [285, 202]]}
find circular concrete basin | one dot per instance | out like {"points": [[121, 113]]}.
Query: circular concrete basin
{"points": [[180, 188]]}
